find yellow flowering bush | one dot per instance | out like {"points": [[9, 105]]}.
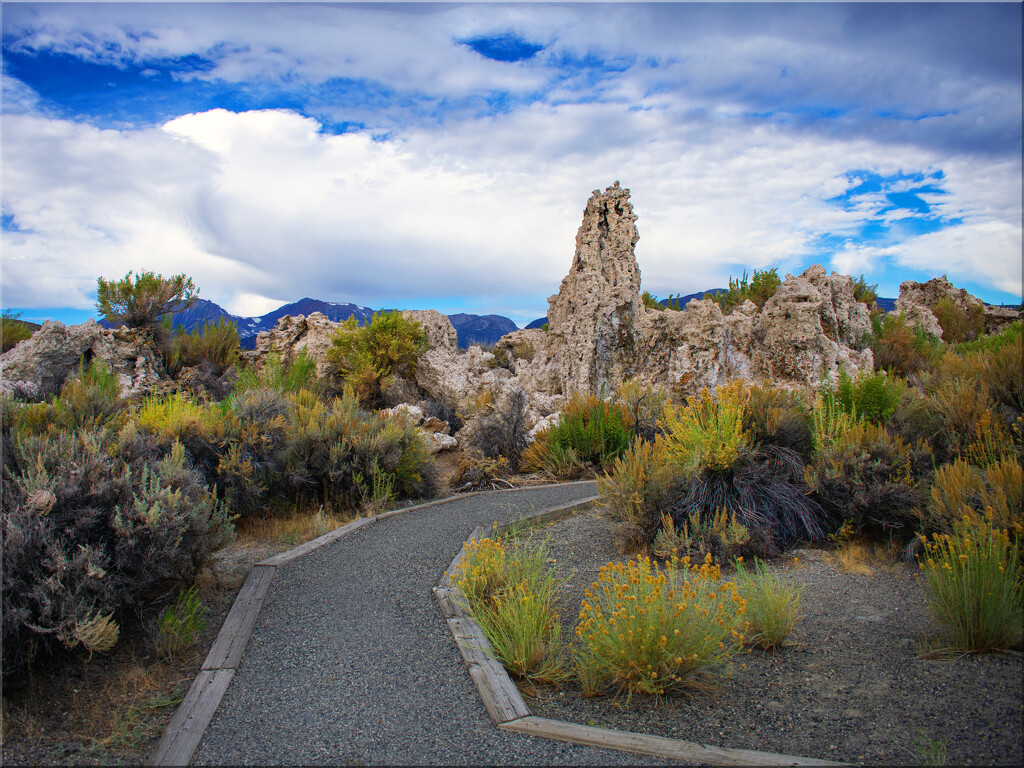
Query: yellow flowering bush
{"points": [[706, 433], [512, 594], [974, 583], [650, 629]]}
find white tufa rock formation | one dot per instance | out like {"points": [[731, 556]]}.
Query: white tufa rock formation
{"points": [[39, 366], [593, 320]]}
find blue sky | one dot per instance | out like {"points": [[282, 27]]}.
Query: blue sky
{"points": [[440, 155]]}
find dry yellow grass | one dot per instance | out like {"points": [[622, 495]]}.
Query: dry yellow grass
{"points": [[861, 557], [295, 528]]}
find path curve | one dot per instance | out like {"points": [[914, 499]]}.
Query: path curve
{"points": [[352, 663]]}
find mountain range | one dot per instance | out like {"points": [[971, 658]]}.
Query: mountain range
{"points": [[470, 329]]}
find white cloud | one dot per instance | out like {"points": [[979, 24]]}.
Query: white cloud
{"points": [[262, 207], [987, 253]]}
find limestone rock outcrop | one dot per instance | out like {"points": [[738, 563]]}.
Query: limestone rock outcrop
{"points": [[810, 328], [39, 366], [917, 300], [593, 320], [291, 335]]}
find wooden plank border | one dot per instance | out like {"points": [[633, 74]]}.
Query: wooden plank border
{"points": [[181, 737], [508, 711], [656, 746]]}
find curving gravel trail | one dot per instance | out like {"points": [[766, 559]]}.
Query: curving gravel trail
{"points": [[352, 663]]}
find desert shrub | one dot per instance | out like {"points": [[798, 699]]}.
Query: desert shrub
{"points": [[502, 432], [974, 585], [917, 418], [202, 428], [648, 629], [474, 470], [872, 479], [513, 595], [829, 422], [1011, 334], [440, 410], [89, 398], [216, 343], [635, 490], [12, 330], [500, 357], [720, 535], [899, 349], [758, 290], [523, 349], [1003, 372], [865, 293], [87, 537], [871, 396], [367, 356], [764, 493], [778, 416], [959, 324], [287, 376], [773, 604], [960, 489], [180, 625], [645, 405], [957, 391], [140, 303], [338, 455], [251, 459], [554, 459], [708, 434], [589, 431]]}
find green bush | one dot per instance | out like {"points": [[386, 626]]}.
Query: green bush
{"points": [[773, 605], [275, 373], [708, 433], [512, 593], [367, 356], [141, 302], [180, 626], [864, 293], [12, 330], [590, 431], [872, 396], [90, 398], [758, 290]]}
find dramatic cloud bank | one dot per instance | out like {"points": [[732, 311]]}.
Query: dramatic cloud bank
{"points": [[423, 155]]}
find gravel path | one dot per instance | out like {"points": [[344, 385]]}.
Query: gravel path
{"points": [[351, 662]]}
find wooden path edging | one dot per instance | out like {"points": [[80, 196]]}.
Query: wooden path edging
{"points": [[183, 733], [508, 711]]}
